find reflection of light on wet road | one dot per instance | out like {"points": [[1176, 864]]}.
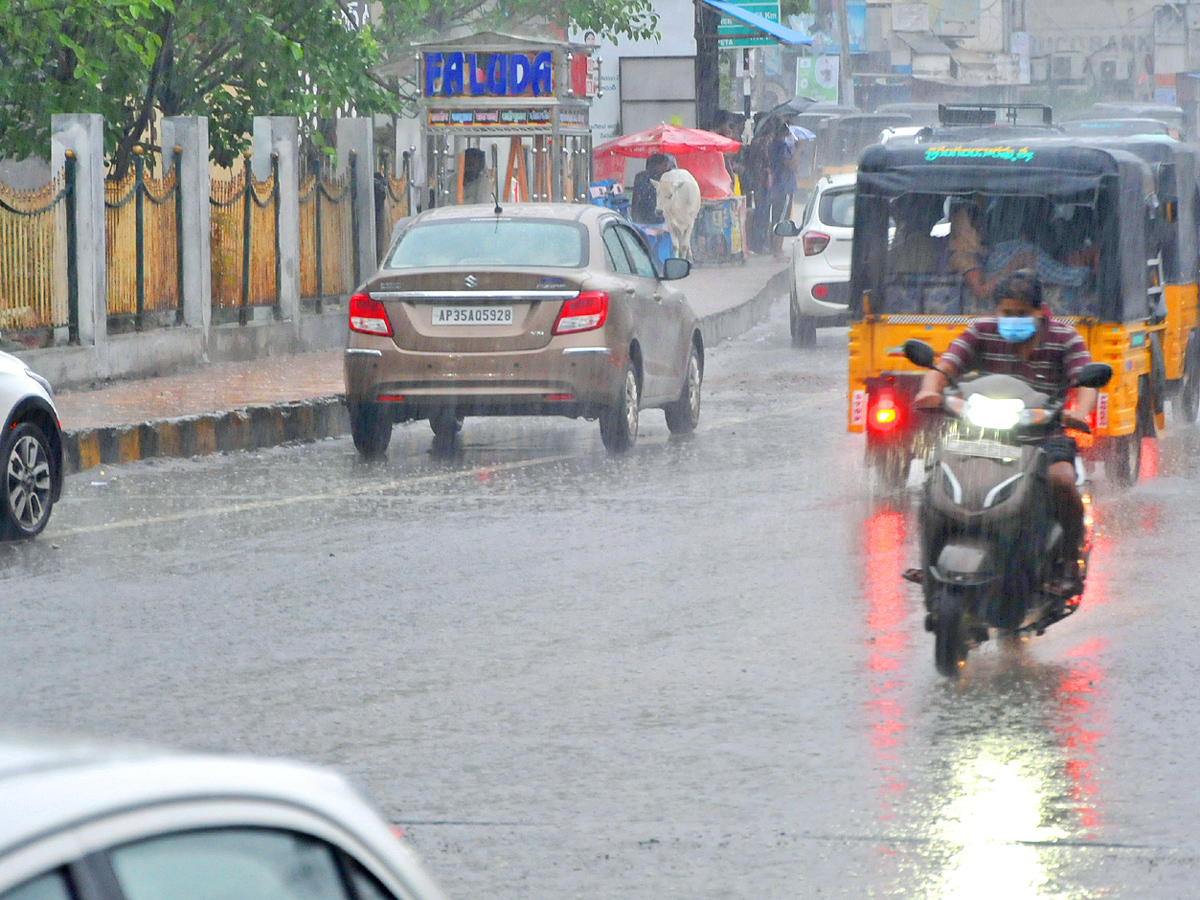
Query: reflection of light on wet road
{"points": [[887, 643], [996, 820], [1077, 730], [1011, 773], [1149, 468]]}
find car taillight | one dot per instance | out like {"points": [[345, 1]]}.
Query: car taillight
{"points": [[368, 316], [815, 242], [883, 414], [582, 313]]}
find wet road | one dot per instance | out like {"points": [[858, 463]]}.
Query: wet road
{"points": [[693, 671]]}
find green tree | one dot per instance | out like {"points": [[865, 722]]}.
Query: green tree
{"points": [[131, 59], [405, 21]]}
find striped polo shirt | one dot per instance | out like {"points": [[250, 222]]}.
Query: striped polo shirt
{"points": [[1053, 364]]}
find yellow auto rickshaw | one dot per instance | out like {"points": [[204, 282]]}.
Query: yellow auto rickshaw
{"points": [[1174, 339], [937, 223]]}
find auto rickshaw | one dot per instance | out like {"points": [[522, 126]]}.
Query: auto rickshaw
{"points": [[1085, 217], [840, 140], [1173, 335]]}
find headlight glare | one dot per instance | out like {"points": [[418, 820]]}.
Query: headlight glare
{"points": [[987, 412]]}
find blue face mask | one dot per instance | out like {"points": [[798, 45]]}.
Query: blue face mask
{"points": [[1016, 329]]}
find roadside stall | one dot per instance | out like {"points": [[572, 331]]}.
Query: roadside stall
{"points": [[719, 234], [523, 101]]}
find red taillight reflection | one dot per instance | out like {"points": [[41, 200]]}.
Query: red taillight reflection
{"points": [[582, 313], [368, 316], [815, 242]]}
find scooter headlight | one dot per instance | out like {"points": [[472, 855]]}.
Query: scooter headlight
{"points": [[987, 412]]}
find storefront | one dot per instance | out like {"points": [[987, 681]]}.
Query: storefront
{"points": [[524, 102]]}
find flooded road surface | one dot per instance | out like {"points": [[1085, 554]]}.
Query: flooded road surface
{"points": [[693, 671]]}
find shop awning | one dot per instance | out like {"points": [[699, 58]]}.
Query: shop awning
{"points": [[781, 33], [923, 43]]}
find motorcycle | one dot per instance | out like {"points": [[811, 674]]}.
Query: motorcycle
{"points": [[990, 544]]}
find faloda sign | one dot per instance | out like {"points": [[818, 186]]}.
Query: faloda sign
{"points": [[489, 74]]}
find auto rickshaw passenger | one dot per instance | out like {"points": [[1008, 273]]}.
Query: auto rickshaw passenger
{"points": [[1022, 339], [914, 250]]}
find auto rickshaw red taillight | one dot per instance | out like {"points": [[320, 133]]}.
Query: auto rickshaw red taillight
{"points": [[883, 414]]}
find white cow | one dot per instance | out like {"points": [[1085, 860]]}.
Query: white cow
{"points": [[679, 202]]}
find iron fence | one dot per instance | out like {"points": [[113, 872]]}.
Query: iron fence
{"points": [[328, 234], [245, 241], [144, 247], [38, 277]]}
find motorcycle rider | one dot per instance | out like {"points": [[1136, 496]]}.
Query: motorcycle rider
{"points": [[1023, 340]]}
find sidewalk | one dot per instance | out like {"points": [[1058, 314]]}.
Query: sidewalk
{"points": [[262, 403]]}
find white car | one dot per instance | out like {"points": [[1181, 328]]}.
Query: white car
{"points": [[88, 823], [821, 257], [31, 450]]}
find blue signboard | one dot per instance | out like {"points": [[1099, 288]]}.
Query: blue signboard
{"points": [[489, 74]]}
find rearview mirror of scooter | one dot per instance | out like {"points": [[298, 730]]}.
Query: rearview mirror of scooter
{"points": [[1094, 375], [919, 353]]}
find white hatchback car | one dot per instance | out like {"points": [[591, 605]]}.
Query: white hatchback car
{"points": [[85, 823], [31, 450], [821, 257]]}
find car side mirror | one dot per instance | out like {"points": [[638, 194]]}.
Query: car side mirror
{"points": [[919, 353], [1094, 375], [787, 228], [674, 268]]}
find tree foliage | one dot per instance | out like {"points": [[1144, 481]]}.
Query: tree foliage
{"points": [[405, 21], [130, 59]]}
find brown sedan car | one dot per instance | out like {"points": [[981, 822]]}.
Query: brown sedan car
{"points": [[541, 309]]}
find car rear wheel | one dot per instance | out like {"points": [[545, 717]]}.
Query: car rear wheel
{"points": [[684, 414], [804, 328], [28, 495], [371, 428], [619, 423]]}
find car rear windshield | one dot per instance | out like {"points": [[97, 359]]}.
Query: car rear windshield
{"points": [[492, 241], [837, 208]]}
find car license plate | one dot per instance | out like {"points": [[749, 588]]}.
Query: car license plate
{"points": [[472, 315]]}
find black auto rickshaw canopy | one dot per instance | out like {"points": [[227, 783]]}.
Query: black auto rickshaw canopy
{"points": [[1175, 166], [841, 139], [1019, 190]]}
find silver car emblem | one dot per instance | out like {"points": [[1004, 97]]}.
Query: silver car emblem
{"points": [[471, 281]]}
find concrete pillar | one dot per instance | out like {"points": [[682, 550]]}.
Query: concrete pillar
{"points": [[280, 134], [358, 134], [190, 134], [84, 135]]}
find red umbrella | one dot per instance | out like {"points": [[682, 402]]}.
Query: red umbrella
{"points": [[666, 139], [697, 151]]}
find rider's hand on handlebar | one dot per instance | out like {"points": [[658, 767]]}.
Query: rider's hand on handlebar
{"points": [[1075, 423], [927, 400]]}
